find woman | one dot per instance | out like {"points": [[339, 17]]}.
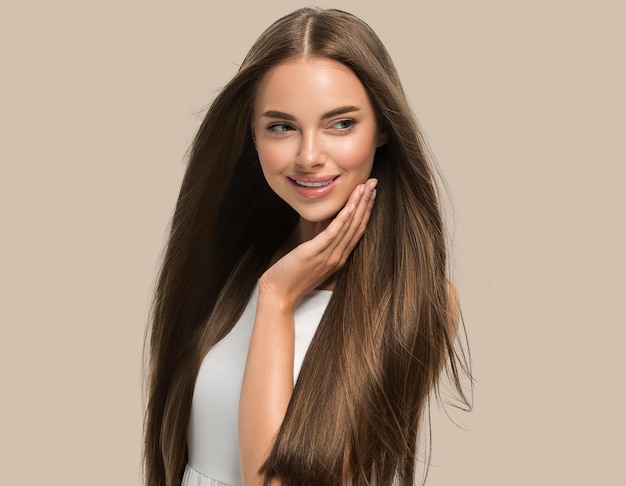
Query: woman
{"points": [[303, 315]]}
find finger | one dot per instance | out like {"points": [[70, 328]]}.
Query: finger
{"points": [[366, 204], [360, 219], [348, 227], [336, 231], [344, 232], [364, 217]]}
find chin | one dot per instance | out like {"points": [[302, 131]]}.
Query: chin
{"points": [[315, 219]]}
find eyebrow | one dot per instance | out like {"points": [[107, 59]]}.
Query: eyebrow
{"points": [[337, 111]]}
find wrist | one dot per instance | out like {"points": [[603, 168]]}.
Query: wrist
{"points": [[274, 300]]}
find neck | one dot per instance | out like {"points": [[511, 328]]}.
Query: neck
{"points": [[307, 230]]}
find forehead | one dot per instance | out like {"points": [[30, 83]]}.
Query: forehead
{"points": [[308, 85]]}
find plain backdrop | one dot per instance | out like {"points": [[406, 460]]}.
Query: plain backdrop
{"points": [[523, 106]]}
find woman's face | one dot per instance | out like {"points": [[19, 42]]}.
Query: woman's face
{"points": [[316, 134]]}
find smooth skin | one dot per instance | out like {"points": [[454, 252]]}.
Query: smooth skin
{"points": [[330, 133], [314, 122]]}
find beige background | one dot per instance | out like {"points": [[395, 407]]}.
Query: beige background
{"points": [[523, 104]]}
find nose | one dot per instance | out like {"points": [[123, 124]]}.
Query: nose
{"points": [[311, 153]]}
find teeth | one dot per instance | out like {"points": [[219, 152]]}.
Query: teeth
{"points": [[313, 184]]}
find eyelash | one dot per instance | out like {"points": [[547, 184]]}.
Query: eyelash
{"points": [[347, 120], [282, 128], [274, 128]]}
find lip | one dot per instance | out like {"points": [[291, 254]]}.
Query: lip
{"points": [[316, 192]]}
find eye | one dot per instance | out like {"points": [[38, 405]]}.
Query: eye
{"points": [[344, 125], [279, 128]]}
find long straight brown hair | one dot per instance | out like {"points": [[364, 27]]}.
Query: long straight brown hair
{"points": [[387, 333]]}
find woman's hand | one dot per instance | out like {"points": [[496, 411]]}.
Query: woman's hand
{"points": [[314, 261]]}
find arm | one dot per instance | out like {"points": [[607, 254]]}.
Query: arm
{"points": [[267, 385], [268, 377]]}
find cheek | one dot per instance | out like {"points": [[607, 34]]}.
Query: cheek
{"points": [[272, 157], [356, 154]]}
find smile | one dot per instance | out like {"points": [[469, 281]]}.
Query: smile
{"points": [[314, 188], [314, 184]]}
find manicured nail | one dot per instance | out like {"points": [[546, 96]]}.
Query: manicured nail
{"points": [[361, 189], [373, 183], [350, 208]]}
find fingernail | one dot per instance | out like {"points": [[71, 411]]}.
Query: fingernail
{"points": [[350, 208], [373, 196], [361, 189], [373, 183]]}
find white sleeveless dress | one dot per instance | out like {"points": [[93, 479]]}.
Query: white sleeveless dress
{"points": [[212, 434]]}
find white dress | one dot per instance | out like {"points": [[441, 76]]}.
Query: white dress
{"points": [[212, 434]]}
